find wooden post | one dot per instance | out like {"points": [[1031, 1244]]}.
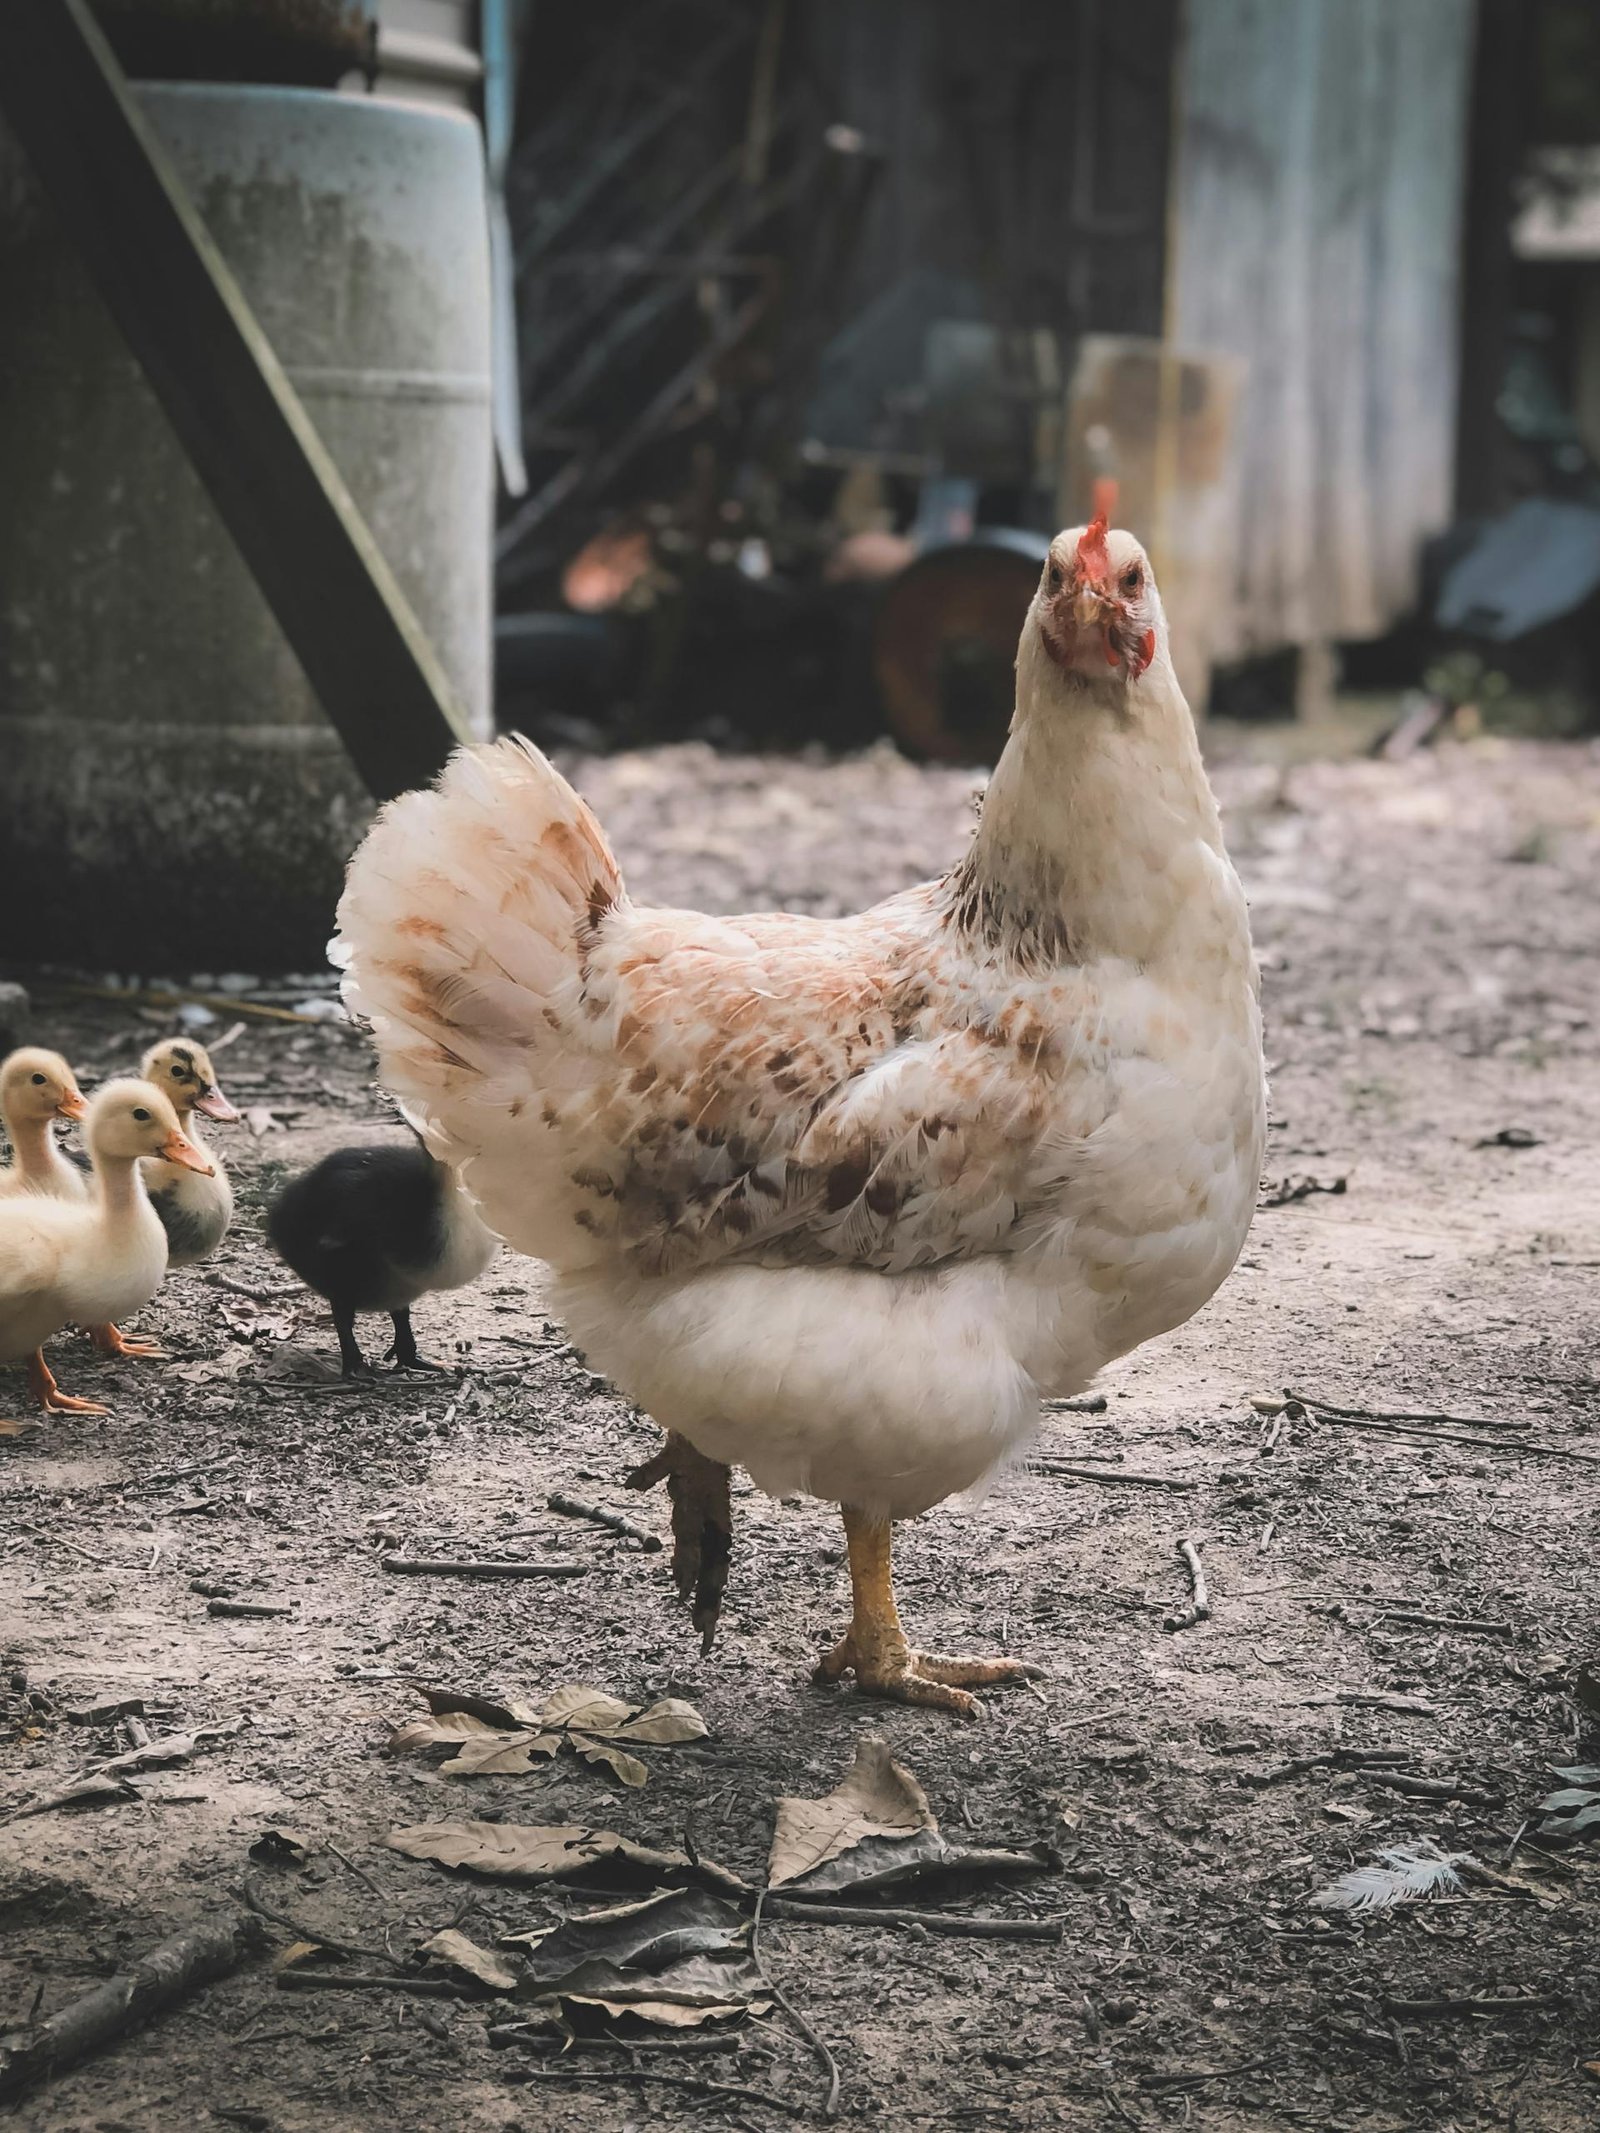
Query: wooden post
{"points": [[226, 395]]}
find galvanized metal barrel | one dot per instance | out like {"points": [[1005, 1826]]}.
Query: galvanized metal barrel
{"points": [[164, 767]]}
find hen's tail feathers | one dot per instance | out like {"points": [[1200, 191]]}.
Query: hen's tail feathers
{"points": [[465, 926]]}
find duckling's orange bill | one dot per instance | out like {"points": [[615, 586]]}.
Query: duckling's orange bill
{"points": [[72, 1105], [215, 1105], [178, 1148]]}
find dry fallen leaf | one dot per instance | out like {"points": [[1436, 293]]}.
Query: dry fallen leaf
{"points": [[500, 1739], [587, 1710], [523, 1851], [677, 1960], [501, 1755], [456, 1952], [281, 1847], [617, 1760], [879, 1798], [664, 1723], [876, 1831]]}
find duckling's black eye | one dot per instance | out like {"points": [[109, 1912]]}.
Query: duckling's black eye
{"points": [[38, 1081], [1132, 579], [177, 1073], [142, 1115]]}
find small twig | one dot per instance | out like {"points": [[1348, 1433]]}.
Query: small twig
{"points": [[250, 1610], [830, 2107], [428, 1988], [259, 1296], [1199, 1607], [1423, 1788], [951, 1922], [1384, 1414], [360, 1872], [730, 2089], [1415, 1620], [504, 2035], [258, 1903], [420, 1566], [1450, 2003], [1062, 1470], [1193, 2077], [1399, 1428], [1094, 1403], [597, 1515]]}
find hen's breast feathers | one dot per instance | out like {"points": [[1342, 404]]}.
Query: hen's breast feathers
{"points": [[664, 1091]]}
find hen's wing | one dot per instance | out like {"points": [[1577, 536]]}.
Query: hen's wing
{"points": [[673, 1089]]}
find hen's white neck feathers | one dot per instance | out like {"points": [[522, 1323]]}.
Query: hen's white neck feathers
{"points": [[1099, 836]]}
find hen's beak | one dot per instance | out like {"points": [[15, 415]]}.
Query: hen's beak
{"points": [[178, 1148], [215, 1105], [1090, 609], [72, 1105]]}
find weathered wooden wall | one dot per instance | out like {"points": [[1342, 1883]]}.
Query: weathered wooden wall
{"points": [[1024, 158], [1317, 189]]}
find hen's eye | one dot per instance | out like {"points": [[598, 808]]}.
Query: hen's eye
{"points": [[1131, 579], [1052, 577], [142, 1115]]}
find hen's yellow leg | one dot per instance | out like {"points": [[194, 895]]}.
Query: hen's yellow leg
{"points": [[49, 1394], [875, 1648]]}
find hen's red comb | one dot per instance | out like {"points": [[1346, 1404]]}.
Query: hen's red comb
{"points": [[1092, 541]]}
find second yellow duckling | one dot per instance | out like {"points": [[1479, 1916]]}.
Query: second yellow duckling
{"points": [[195, 1208], [88, 1262], [37, 1088]]}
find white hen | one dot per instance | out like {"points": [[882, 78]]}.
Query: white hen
{"points": [[842, 1201]]}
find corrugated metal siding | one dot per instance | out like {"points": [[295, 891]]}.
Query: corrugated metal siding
{"points": [[1315, 233]]}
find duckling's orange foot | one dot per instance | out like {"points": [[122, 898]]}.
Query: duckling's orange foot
{"points": [[907, 1676], [702, 1526], [50, 1396], [111, 1340]]}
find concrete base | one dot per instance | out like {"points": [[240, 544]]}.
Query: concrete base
{"points": [[171, 795]]}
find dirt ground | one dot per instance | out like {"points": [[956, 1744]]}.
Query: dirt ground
{"points": [[1430, 941]]}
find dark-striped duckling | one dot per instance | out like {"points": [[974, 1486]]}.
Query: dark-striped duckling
{"points": [[372, 1229]]}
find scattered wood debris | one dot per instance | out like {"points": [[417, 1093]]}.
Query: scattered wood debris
{"points": [[426, 1566], [1199, 1607], [597, 1515], [1287, 1192], [158, 1981]]}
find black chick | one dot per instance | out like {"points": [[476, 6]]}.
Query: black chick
{"points": [[372, 1229]]}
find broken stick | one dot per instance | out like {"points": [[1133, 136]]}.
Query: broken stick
{"points": [[169, 1973], [427, 1566], [1063, 1470], [1199, 1607], [597, 1515]]}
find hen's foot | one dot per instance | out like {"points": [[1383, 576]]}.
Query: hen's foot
{"points": [[875, 1648], [111, 1340], [910, 1676], [702, 1526], [49, 1394]]}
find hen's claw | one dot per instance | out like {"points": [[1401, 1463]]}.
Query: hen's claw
{"points": [[875, 1648], [702, 1526]]}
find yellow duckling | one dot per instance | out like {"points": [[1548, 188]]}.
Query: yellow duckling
{"points": [[87, 1262], [37, 1088], [195, 1207]]}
